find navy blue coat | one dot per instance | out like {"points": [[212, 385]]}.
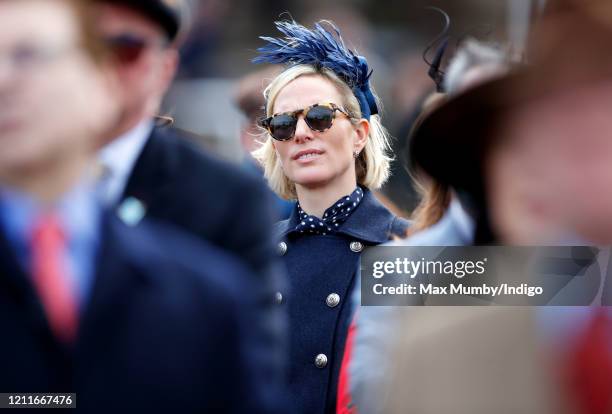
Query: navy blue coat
{"points": [[167, 329], [319, 268]]}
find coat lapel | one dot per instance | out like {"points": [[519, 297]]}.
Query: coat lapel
{"points": [[152, 173], [371, 221], [12, 276], [115, 281], [16, 284]]}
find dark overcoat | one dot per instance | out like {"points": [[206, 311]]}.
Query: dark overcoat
{"points": [[321, 272], [219, 203], [168, 328]]}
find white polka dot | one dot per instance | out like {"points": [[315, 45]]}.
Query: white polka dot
{"points": [[312, 225], [310, 219]]}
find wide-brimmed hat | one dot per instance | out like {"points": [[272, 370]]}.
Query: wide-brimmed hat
{"points": [[568, 47]]}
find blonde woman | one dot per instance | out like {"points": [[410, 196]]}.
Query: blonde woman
{"points": [[325, 148]]}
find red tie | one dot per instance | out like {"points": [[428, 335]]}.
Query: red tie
{"points": [[591, 366], [51, 277]]}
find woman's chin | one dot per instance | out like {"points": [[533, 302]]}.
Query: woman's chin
{"points": [[312, 180]]}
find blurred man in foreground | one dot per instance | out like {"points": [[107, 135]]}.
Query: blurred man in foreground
{"points": [[88, 304], [533, 147], [159, 173], [175, 181]]}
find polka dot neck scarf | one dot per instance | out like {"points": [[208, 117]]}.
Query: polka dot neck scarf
{"points": [[333, 217]]}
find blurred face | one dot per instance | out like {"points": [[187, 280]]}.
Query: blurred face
{"points": [[313, 159], [144, 64], [552, 176], [54, 99]]}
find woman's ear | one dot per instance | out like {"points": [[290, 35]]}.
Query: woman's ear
{"points": [[362, 131]]}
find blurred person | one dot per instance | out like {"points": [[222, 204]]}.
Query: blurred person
{"points": [[327, 148], [438, 204], [435, 197], [249, 99], [161, 172], [95, 306], [175, 181], [474, 63], [531, 167]]}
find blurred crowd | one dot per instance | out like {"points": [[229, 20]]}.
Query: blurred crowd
{"points": [[149, 263]]}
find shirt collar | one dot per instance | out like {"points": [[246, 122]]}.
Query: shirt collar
{"points": [[17, 212], [78, 211], [119, 158], [371, 222]]}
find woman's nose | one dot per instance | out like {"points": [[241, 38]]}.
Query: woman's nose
{"points": [[302, 131]]}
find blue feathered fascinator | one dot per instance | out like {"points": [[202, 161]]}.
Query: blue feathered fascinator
{"points": [[323, 49]]}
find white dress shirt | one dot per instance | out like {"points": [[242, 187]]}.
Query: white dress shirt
{"points": [[118, 159]]}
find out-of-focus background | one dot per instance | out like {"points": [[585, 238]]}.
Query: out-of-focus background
{"points": [[392, 34]]}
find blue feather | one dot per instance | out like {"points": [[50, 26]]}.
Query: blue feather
{"points": [[323, 49]]}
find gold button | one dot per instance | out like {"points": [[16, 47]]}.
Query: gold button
{"points": [[356, 246]]}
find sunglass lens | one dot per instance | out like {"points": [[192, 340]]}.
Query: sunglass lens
{"points": [[282, 127], [126, 48], [320, 118]]}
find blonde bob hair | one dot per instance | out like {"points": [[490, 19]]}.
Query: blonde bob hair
{"points": [[372, 164]]}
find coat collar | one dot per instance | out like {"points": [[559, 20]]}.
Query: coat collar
{"points": [[371, 222], [154, 167]]}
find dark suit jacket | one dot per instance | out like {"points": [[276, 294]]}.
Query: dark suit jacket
{"points": [[220, 203], [205, 196], [167, 329]]}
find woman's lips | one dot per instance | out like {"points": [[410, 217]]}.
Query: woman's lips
{"points": [[307, 156]]}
